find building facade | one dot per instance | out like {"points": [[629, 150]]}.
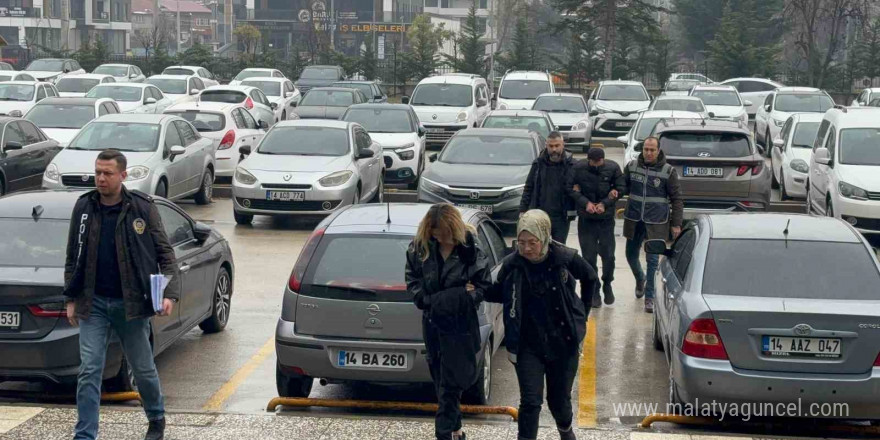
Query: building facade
{"points": [[197, 24]]}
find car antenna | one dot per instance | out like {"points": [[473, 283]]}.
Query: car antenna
{"points": [[388, 219], [785, 232]]}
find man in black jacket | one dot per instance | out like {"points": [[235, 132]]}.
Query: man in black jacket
{"points": [[545, 186], [594, 186], [116, 242]]}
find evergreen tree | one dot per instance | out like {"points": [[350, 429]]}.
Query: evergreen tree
{"points": [[737, 49], [368, 64], [197, 55], [523, 53], [867, 58], [472, 50], [425, 40]]}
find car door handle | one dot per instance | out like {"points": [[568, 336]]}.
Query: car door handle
{"points": [[185, 268]]}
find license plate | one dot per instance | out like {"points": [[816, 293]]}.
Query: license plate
{"points": [[484, 208], [780, 346], [703, 172], [371, 359], [286, 196], [10, 320], [625, 124]]}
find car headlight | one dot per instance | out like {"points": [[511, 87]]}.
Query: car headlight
{"points": [[430, 186], [336, 179], [15, 113], [601, 109], [404, 153], [462, 117], [51, 174], [800, 166], [513, 193], [852, 192], [243, 177], [581, 125], [778, 122], [137, 173]]}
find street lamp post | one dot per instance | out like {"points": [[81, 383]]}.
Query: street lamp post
{"points": [[178, 26]]}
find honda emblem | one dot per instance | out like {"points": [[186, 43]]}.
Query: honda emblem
{"points": [[475, 195], [704, 154]]}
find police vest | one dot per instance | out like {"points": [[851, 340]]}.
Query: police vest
{"points": [[648, 199]]}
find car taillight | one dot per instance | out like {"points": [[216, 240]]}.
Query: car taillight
{"points": [[877, 361], [50, 310], [299, 269], [249, 103], [228, 140], [703, 340], [756, 169]]}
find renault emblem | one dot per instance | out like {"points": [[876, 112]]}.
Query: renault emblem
{"points": [[704, 154], [373, 309], [434, 117], [802, 329], [286, 177], [475, 195]]}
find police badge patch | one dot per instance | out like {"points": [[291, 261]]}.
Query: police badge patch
{"points": [[657, 182], [139, 226]]}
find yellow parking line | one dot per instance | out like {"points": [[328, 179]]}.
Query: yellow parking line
{"points": [[587, 382], [215, 403]]}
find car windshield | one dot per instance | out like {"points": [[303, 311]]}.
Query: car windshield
{"points": [[523, 89], [328, 98], [178, 71], [61, 115], [807, 103], [244, 74], [5, 78], [685, 105], [805, 134], [812, 269], [76, 85], [377, 120], [305, 141], [16, 92], [224, 96], [622, 92], [718, 97], [680, 86], [713, 144], [25, 242], [536, 124], [112, 70], [46, 65], [646, 127], [560, 104], [366, 89], [118, 93], [170, 86], [203, 121], [269, 88], [489, 150], [370, 262], [860, 146], [123, 136], [443, 95], [319, 73]]}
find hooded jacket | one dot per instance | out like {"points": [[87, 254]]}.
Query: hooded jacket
{"points": [[595, 187], [532, 192], [671, 189]]}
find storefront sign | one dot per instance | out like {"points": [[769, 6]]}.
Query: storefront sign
{"points": [[373, 28]]}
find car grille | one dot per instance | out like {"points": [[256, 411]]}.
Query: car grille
{"points": [[275, 205], [440, 136], [286, 186], [563, 127], [865, 223], [874, 196], [75, 180], [388, 162], [464, 195], [615, 125]]}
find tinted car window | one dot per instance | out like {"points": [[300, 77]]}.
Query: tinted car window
{"points": [[329, 98], [13, 134], [716, 144], [118, 93], [685, 105], [319, 73], [859, 146], [683, 250], [76, 85], [523, 89], [170, 85], [247, 119], [305, 141], [803, 103], [622, 92], [718, 97], [377, 120], [177, 227], [31, 133], [270, 88], [123, 136], [61, 115], [177, 71], [560, 104], [451, 95], [172, 137], [29, 243], [224, 96], [203, 121], [533, 123], [805, 134], [186, 132], [488, 150]]}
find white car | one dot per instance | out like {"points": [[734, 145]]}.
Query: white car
{"points": [[122, 72], [133, 97], [792, 152], [50, 69], [844, 180], [614, 107], [866, 98], [755, 90], [18, 97], [702, 79], [206, 76], [679, 87], [229, 126], [723, 102], [280, 91], [570, 116], [256, 72], [448, 103], [251, 98], [76, 86], [11, 75], [782, 103], [62, 118], [644, 127], [178, 88], [520, 89], [680, 103]]}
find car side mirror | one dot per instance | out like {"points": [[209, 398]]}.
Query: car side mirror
{"points": [[623, 139], [202, 232], [823, 156], [639, 146], [294, 103], [274, 105], [264, 125], [365, 154], [177, 150], [13, 145], [404, 100], [432, 157], [594, 113], [194, 92], [766, 107], [778, 143], [244, 150], [656, 247], [377, 97], [711, 114], [288, 94], [133, 75], [150, 101], [422, 131], [748, 103]]}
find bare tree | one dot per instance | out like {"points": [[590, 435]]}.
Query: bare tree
{"points": [[155, 36], [819, 28]]}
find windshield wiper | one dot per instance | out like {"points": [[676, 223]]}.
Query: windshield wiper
{"points": [[349, 288]]}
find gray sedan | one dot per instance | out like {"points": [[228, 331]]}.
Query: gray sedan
{"points": [[770, 308], [328, 102]]}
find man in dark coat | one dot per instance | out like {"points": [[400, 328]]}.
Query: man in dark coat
{"points": [[545, 186]]}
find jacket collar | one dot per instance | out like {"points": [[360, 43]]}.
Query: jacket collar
{"points": [[95, 197], [661, 160], [558, 255], [567, 158]]}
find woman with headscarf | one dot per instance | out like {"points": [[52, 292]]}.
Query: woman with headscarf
{"points": [[545, 320], [447, 275]]}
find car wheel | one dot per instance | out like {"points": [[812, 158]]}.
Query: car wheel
{"points": [[655, 333], [243, 219], [284, 115], [357, 196], [206, 191], [480, 392], [292, 386], [774, 181], [221, 304], [768, 143], [380, 191], [123, 381], [421, 168], [162, 189], [783, 194]]}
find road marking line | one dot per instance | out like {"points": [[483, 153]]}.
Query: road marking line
{"points": [[215, 402], [587, 381], [13, 416]]}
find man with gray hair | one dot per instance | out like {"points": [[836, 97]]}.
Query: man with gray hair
{"points": [[546, 186]]}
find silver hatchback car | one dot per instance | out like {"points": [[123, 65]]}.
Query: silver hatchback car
{"points": [[347, 299]]}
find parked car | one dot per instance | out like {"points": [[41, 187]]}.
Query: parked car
{"points": [[792, 153], [769, 308], [645, 126], [615, 105], [229, 126], [279, 91], [352, 266], [843, 180], [318, 76], [256, 72], [25, 152], [203, 74], [166, 156], [6, 66], [782, 103], [122, 72], [41, 345], [532, 120], [691, 104], [397, 130], [327, 102], [449, 103], [700, 78], [867, 97], [251, 98], [370, 89], [133, 97], [483, 169], [723, 102], [308, 167], [754, 90], [178, 88], [77, 86], [62, 118], [17, 97], [50, 69], [520, 89], [570, 116], [679, 87], [719, 167], [11, 75]]}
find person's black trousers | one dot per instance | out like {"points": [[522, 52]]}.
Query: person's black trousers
{"points": [[448, 418], [531, 370], [559, 227], [597, 238]]}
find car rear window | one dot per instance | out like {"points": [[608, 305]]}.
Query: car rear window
{"points": [[203, 121], [373, 262], [715, 144], [28, 243], [801, 269], [224, 96]]}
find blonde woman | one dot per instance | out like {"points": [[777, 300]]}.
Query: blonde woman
{"points": [[447, 275]]}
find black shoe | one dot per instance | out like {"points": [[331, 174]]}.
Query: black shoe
{"points": [[640, 289], [609, 294], [156, 431], [463, 436], [567, 435], [597, 300], [649, 305]]}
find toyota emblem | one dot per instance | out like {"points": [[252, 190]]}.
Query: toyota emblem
{"points": [[85, 178], [373, 309], [475, 195], [704, 154], [286, 177], [434, 117], [802, 329]]}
